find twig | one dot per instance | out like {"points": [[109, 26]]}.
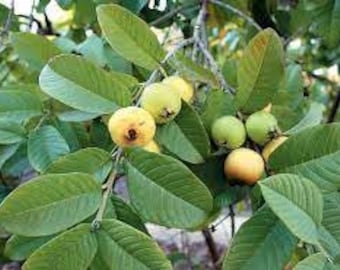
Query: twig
{"points": [[39, 24], [31, 18], [41, 120], [215, 69], [232, 220], [249, 19], [335, 108], [108, 191], [214, 226], [197, 32], [209, 240]]}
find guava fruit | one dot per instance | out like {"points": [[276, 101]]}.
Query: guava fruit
{"points": [[161, 102], [272, 146], [183, 88], [261, 127], [228, 131], [244, 165], [152, 146], [131, 126]]}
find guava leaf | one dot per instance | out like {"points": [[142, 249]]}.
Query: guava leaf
{"points": [[18, 106], [260, 71], [130, 36], [185, 136], [166, 192], [313, 153], [11, 132], [94, 161], [73, 249], [50, 203], [315, 261], [121, 246], [263, 242], [44, 146], [35, 49], [80, 84], [19, 248], [6, 152], [297, 202]]}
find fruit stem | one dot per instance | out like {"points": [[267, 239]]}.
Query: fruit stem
{"points": [[106, 195]]}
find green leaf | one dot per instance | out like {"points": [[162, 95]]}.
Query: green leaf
{"points": [[297, 202], [50, 203], [130, 36], [6, 152], [125, 213], [328, 242], [217, 104], [259, 71], [45, 146], [73, 249], [65, 4], [76, 116], [19, 248], [79, 84], [123, 247], [315, 262], [94, 161], [193, 71], [166, 192], [263, 242], [313, 153], [185, 136], [19, 106], [35, 49], [11, 132], [313, 117]]}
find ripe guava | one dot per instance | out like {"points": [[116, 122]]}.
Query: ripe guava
{"points": [[131, 126], [228, 131], [183, 88], [152, 146], [261, 127], [161, 102], [245, 165], [272, 146]]}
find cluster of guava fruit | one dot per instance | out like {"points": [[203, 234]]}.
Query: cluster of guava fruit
{"points": [[159, 104], [242, 163]]}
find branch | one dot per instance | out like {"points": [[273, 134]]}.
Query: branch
{"points": [[238, 12], [209, 240], [197, 31], [215, 69], [39, 24], [335, 108], [232, 220]]}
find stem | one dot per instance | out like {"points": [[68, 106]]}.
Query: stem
{"points": [[106, 195], [197, 31], [238, 12], [232, 220], [41, 121], [209, 240], [334, 109], [31, 18], [216, 70]]}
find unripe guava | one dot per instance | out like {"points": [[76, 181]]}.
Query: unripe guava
{"points": [[261, 127], [272, 146], [228, 131], [152, 146], [245, 165], [161, 102], [131, 126], [183, 88]]}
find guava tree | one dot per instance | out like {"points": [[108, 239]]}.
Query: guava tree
{"points": [[232, 101]]}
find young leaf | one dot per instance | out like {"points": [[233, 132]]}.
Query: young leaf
{"points": [[79, 84], [259, 71], [185, 136], [120, 246], [166, 192], [45, 146], [130, 36], [263, 242], [19, 248], [11, 132], [313, 153], [50, 203], [217, 104], [93, 161], [73, 249], [125, 213], [297, 202], [35, 49], [18, 106]]}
